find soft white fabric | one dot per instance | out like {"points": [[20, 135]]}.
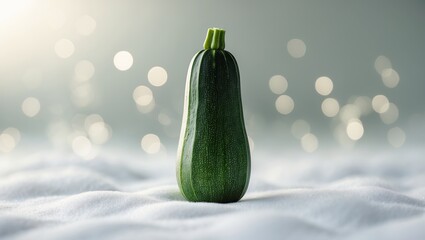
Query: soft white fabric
{"points": [[358, 195]]}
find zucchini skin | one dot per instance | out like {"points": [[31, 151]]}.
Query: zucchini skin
{"points": [[214, 161]]}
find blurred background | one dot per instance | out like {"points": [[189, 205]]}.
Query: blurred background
{"points": [[93, 77]]}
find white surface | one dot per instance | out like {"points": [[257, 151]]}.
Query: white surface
{"points": [[316, 196]]}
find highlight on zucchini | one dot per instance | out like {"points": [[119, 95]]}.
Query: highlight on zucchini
{"points": [[214, 161]]}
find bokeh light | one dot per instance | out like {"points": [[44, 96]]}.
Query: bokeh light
{"points": [[296, 48], [380, 103], [85, 25], [382, 63], [82, 147], [364, 103], [324, 86], [164, 119], [157, 76], [330, 107], [14, 132], [309, 142], [64, 48], [89, 120], [284, 104], [9, 138], [396, 137], [349, 112], [82, 94], [123, 60], [146, 108], [84, 70], [391, 115], [7, 143], [355, 129], [278, 84], [299, 128], [151, 143], [31, 106], [98, 131], [390, 77], [142, 95]]}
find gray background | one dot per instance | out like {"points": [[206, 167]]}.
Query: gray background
{"points": [[343, 40]]}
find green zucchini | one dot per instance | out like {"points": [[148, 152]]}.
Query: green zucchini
{"points": [[214, 161]]}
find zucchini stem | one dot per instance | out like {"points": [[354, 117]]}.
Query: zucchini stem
{"points": [[215, 39]]}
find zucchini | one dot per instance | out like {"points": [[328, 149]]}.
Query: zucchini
{"points": [[214, 161]]}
